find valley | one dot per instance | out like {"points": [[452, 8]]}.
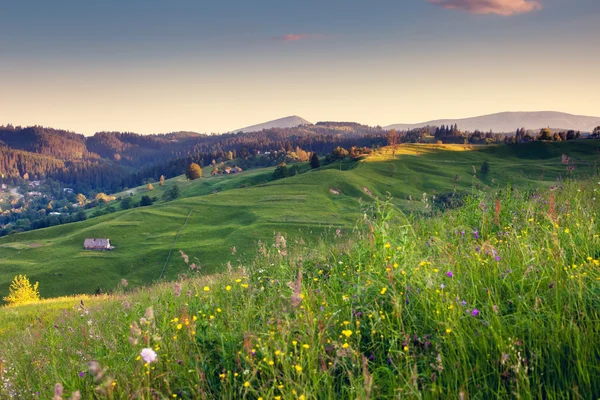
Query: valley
{"points": [[227, 211]]}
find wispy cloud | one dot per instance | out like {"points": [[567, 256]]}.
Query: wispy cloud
{"points": [[500, 7], [294, 37]]}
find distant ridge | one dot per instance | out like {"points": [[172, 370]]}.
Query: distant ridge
{"points": [[287, 122], [510, 121]]}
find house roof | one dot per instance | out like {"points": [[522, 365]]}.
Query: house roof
{"points": [[96, 243]]}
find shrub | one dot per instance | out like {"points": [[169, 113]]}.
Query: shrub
{"points": [[21, 291]]}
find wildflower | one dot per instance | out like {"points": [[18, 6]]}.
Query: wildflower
{"points": [[246, 384], [449, 274], [228, 288], [177, 289], [405, 348], [306, 346], [387, 245], [345, 345], [383, 290], [206, 289], [58, 391], [179, 326], [347, 332], [448, 330], [77, 394], [148, 355], [298, 368], [475, 312]]}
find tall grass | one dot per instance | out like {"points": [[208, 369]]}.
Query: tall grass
{"points": [[497, 299]]}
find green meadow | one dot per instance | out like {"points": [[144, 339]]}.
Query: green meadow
{"points": [[498, 299], [237, 211]]}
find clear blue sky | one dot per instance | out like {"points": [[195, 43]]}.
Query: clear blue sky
{"points": [[158, 66]]}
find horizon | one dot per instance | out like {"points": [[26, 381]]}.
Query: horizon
{"points": [[237, 130], [154, 67]]}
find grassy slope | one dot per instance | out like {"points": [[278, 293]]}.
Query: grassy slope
{"points": [[300, 206], [378, 315]]}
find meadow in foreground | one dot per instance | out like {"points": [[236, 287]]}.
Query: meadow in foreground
{"points": [[497, 299]]}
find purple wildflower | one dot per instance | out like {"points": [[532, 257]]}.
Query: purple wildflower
{"points": [[463, 303], [449, 274], [475, 312]]}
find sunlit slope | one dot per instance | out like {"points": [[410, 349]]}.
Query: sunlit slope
{"points": [[301, 207]]}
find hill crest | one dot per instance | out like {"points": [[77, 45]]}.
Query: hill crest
{"points": [[287, 122], [510, 121]]}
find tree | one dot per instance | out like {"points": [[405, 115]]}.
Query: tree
{"points": [[22, 291], [281, 171], [392, 139], [194, 171], [161, 182], [314, 161], [150, 187], [81, 199], [596, 132], [339, 153], [145, 201], [485, 168], [102, 197], [545, 134], [172, 193], [126, 203]]}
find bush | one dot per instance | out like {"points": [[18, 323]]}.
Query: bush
{"points": [[21, 291], [485, 168], [145, 201]]}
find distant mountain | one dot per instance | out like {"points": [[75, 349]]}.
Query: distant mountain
{"points": [[510, 121], [287, 122]]}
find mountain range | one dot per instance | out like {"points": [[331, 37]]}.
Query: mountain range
{"points": [[510, 121]]}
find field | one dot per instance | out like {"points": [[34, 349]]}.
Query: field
{"points": [[498, 299], [239, 211]]}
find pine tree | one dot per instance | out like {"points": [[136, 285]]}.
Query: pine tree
{"points": [[314, 161]]}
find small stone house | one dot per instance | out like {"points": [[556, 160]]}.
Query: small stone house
{"points": [[97, 244]]}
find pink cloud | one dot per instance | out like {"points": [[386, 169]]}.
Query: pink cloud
{"points": [[500, 7], [293, 37]]}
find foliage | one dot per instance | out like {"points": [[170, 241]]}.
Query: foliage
{"points": [[172, 193], [145, 201], [281, 171], [194, 171], [485, 167], [21, 291], [314, 161]]}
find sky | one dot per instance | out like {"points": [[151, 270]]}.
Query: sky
{"points": [[156, 66]]}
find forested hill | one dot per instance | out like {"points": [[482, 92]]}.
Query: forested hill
{"points": [[113, 160]]}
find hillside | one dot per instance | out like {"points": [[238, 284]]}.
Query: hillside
{"points": [[495, 300], [510, 121], [286, 122], [227, 211]]}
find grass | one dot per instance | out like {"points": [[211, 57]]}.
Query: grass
{"points": [[497, 299], [245, 210]]}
